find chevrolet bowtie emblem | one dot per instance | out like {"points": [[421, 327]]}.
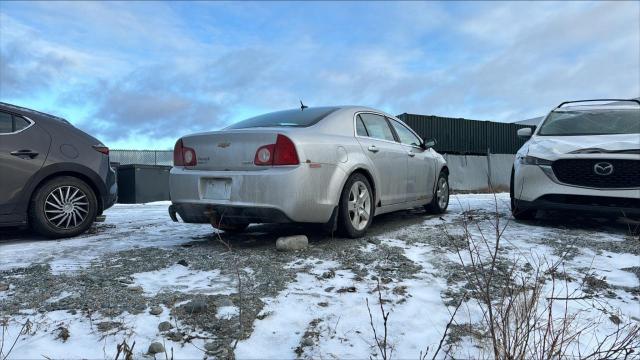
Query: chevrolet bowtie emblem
{"points": [[224, 145]]}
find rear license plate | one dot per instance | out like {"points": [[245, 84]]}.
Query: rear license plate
{"points": [[217, 189]]}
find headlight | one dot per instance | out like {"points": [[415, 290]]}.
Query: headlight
{"points": [[532, 160]]}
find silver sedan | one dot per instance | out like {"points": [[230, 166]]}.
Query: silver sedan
{"points": [[339, 166]]}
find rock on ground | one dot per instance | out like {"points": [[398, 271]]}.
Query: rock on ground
{"points": [[292, 243], [155, 348], [194, 307], [155, 310], [165, 326]]}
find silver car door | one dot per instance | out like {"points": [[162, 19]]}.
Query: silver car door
{"points": [[421, 163], [389, 158]]}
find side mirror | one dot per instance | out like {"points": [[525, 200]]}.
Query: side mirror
{"points": [[524, 133], [429, 143]]}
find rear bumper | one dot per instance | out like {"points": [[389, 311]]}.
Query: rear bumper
{"points": [[282, 194], [111, 197], [203, 213]]}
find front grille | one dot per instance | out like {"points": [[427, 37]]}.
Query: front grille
{"points": [[581, 172]]}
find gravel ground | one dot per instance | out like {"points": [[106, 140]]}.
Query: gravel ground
{"points": [[96, 276]]}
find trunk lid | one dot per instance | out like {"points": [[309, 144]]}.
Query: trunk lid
{"points": [[228, 150]]}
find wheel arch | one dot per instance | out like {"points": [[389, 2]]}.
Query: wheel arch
{"points": [[78, 171], [372, 183]]}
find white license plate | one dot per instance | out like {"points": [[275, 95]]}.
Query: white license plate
{"points": [[217, 189]]}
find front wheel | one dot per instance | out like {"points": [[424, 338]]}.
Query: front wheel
{"points": [[440, 200], [356, 206], [519, 211], [63, 207]]}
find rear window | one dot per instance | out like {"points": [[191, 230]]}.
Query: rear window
{"points": [[595, 122], [286, 118]]}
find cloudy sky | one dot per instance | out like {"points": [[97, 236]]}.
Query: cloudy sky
{"points": [[139, 75]]}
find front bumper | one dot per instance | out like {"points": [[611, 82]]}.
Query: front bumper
{"points": [[535, 186], [279, 194]]}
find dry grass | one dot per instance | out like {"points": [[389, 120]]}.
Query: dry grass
{"points": [[526, 313]]}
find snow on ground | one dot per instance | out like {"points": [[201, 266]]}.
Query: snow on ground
{"points": [[417, 322], [322, 312], [127, 226], [86, 341], [182, 279]]}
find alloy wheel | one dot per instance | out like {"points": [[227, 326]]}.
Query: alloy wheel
{"points": [[359, 205], [442, 193], [66, 207]]}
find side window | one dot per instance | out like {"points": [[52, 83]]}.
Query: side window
{"points": [[406, 136], [19, 123], [6, 123], [377, 127], [361, 130]]}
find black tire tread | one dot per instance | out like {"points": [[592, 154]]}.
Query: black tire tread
{"points": [[433, 207], [40, 225], [344, 224]]}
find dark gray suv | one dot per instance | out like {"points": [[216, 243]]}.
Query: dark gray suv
{"points": [[53, 177]]}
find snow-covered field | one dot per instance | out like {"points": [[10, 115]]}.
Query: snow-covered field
{"points": [[81, 297]]}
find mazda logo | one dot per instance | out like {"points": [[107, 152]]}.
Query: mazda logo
{"points": [[603, 168]]}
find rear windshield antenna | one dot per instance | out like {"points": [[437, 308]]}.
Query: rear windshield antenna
{"points": [[302, 106]]}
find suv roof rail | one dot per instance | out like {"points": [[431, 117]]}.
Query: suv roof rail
{"points": [[594, 100], [21, 108]]}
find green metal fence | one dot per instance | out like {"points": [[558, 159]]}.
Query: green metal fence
{"points": [[464, 136]]}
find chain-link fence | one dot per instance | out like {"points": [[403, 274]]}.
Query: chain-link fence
{"points": [[143, 157]]}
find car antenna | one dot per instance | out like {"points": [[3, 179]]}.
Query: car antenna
{"points": [[302, 106]]}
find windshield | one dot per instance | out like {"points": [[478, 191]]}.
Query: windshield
{"points": [[286, 118], [592, 122]]}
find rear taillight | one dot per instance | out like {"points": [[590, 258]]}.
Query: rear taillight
{"points": [[101, 148], [264, 155], [283, 152], [184, 156]]}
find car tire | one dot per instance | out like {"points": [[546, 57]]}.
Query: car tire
{"points": [[440, 201], [64, 206], [518, 211], [356, 208]]}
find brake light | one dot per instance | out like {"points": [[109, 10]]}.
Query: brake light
{"points": [[184, 156], [101, 148], [283, 152]]}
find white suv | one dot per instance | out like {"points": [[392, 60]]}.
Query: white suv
{"points": [[585, 155]]}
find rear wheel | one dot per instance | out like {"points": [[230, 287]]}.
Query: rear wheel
{"points": [[63, 207], [356, 206], [440, 200]]}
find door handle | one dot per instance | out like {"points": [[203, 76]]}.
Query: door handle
{"points": [[373, 149], [24, 153], [411, 153]]}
